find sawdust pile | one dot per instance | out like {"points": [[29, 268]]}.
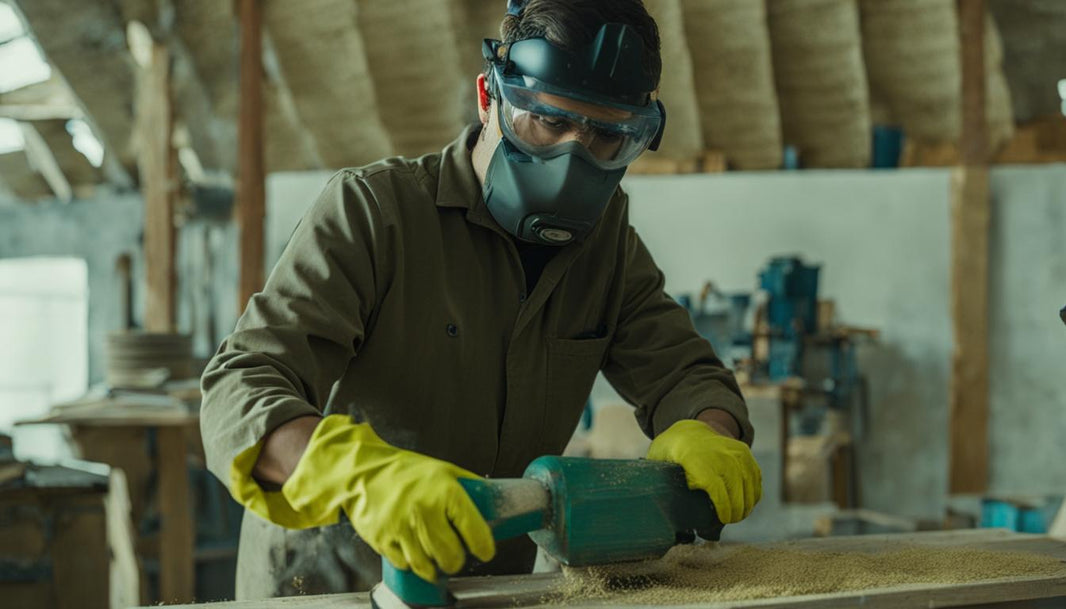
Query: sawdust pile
{"points": [[708, 573]]}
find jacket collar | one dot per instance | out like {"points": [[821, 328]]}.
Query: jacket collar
{"points": [[458, 185]]}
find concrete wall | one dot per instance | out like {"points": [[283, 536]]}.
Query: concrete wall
{"points": [[44, 317], [1028, 342]]}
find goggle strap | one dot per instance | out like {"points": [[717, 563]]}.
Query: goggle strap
{"points": [[490, 51], [662, 127]]}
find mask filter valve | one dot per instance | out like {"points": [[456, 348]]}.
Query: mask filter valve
{"points": [[556, 235]]}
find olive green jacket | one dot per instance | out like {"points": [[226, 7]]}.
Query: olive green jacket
{"points": [[400, 301]]}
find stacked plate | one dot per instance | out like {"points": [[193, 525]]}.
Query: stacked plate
{"points": [[145, 360]]}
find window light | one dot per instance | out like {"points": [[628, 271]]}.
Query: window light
{"points": [[10, 24], [10, 136], [23, 64]]}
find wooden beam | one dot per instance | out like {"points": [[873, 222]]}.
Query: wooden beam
{"points": [[251, 192], [51, 92], [39, 112], [156, 162], [970, 213], [44, 161]]}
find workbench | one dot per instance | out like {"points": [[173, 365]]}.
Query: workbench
{"points": [[534, 590], [173, 427]]}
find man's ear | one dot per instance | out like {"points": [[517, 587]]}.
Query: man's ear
{"points": [[484, 102]]}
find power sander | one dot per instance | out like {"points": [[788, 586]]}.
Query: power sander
{"points": [[581, 512]]}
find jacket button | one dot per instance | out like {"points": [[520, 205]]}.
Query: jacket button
{"points": [[453, 330], [522, 297]]}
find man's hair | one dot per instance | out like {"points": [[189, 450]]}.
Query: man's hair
{"points": [[572, 24]]}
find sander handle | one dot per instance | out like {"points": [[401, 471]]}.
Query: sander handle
{"points": [[512, 507]]}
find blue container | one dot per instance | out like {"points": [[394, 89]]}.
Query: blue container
{"points": [[1005, 514], [998, 514], [887, 147]]}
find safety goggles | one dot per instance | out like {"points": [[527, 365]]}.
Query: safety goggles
{"points": [[543, 121]]}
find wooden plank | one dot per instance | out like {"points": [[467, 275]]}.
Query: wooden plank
{"points": [[176, 535], [251, 195], [80, 555], [121, 536], [971, 210], [535, 590], [156, 164], [1041, 141]]}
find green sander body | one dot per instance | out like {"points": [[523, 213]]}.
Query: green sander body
{"points": [[581, 512]]}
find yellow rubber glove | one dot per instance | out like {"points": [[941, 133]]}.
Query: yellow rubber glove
{"points": [[717, 464], [408, 507]]}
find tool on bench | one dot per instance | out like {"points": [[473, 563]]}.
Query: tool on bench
{"points": [[581, 512]]}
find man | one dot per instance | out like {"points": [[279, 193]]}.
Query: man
{"points": [[445, 317]]}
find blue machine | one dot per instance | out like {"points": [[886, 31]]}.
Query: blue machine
{"points": [[792, 345], [791, 312]]}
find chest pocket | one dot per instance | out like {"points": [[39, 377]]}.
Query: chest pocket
{"points": [[572, 367]]}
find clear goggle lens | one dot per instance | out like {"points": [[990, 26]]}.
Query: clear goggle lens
{"points": [[542, 124]]}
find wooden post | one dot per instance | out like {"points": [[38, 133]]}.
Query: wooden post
{"points": [[156, 164], [970, 214], [250, 208], [176, 533]]}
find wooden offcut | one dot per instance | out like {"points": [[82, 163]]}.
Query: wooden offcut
{"points": [[970, 217]]}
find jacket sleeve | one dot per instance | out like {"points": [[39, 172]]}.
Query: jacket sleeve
{"points": [[298, 335], [657, 361]]}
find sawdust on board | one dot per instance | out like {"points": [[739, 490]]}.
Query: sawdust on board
{"points": [[713, 572]]}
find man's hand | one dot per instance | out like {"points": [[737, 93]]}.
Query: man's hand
{"points": [[408, 507], [720, 465]]}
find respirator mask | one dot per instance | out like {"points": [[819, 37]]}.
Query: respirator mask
{"points": [[572, 122]]}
